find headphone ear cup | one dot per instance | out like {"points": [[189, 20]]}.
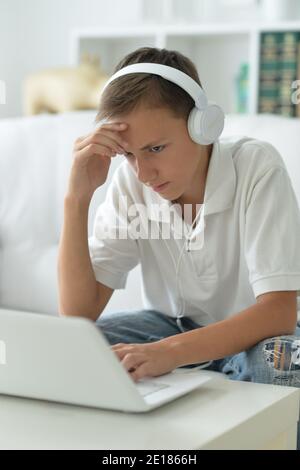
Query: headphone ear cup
{"points": [[205, 126], [194, 125]]}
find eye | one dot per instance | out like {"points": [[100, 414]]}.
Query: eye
{"points": [[157, 149]]}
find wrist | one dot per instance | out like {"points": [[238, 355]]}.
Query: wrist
{"points": [[77, 202], [173, 348]]}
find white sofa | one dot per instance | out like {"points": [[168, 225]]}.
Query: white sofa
{"points": [[35, 160]]}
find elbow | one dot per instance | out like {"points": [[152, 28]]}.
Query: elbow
{"points": [[61, 313], [60, 310], [292, 327], [64, 312], [91, 315], [292, 317], [282, 306], [290, 324]]}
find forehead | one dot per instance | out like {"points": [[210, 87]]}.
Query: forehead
{"points": [[151, 122]]}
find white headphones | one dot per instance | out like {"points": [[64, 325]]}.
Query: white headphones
{"points": [[206, 120]]}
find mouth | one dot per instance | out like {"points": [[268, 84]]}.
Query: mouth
{"points": [[160, 187]]}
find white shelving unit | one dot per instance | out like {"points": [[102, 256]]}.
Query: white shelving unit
{"points": [[217, 49]]}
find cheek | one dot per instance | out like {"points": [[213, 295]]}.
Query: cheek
{"points": [[181, 166]]}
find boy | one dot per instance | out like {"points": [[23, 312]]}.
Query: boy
{"points": [[226, 294]]}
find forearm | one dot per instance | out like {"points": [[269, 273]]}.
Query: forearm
{"points": [[230, 336], [78, 293]]}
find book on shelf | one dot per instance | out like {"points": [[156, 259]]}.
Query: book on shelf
{"points": [[279, 68], [269, 73], [242, 88], [298, 87]]}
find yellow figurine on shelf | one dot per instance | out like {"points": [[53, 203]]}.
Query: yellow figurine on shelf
{"points": [[64, 89]]}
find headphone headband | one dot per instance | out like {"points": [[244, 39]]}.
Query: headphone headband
{"points": [[169, 73], [206, 120]]}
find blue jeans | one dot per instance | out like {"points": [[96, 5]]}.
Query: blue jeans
{"points": [[272, 361]]}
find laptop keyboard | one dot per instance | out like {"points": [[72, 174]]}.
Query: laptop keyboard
{"points": [[146, 388]]}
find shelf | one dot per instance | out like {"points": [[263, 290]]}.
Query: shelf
{"points": [[217, 49], [187, 29]]}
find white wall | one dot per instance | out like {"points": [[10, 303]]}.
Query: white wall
{"points": [[34, 34]]}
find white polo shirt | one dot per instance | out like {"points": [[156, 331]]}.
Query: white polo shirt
{"points": [[246, 243]]}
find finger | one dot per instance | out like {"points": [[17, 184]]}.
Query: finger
{"points": [[108, 126], [111, 142], [140, 372], [132, 360], [81, 138], [100, 140], [113, 130], [121, 353], [110, 139], [119, 126], [94, 149], [113, 135], [129, 346], [117, 345]]}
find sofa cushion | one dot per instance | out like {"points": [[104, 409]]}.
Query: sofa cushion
{"points": [[35, 162], [282, 132]]}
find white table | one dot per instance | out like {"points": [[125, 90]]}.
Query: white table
{"points": [[220, 415]]}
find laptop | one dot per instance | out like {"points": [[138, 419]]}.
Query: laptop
{"points": [[69, 360]]}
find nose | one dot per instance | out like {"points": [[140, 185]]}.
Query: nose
{"points": [[144, 172]]}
